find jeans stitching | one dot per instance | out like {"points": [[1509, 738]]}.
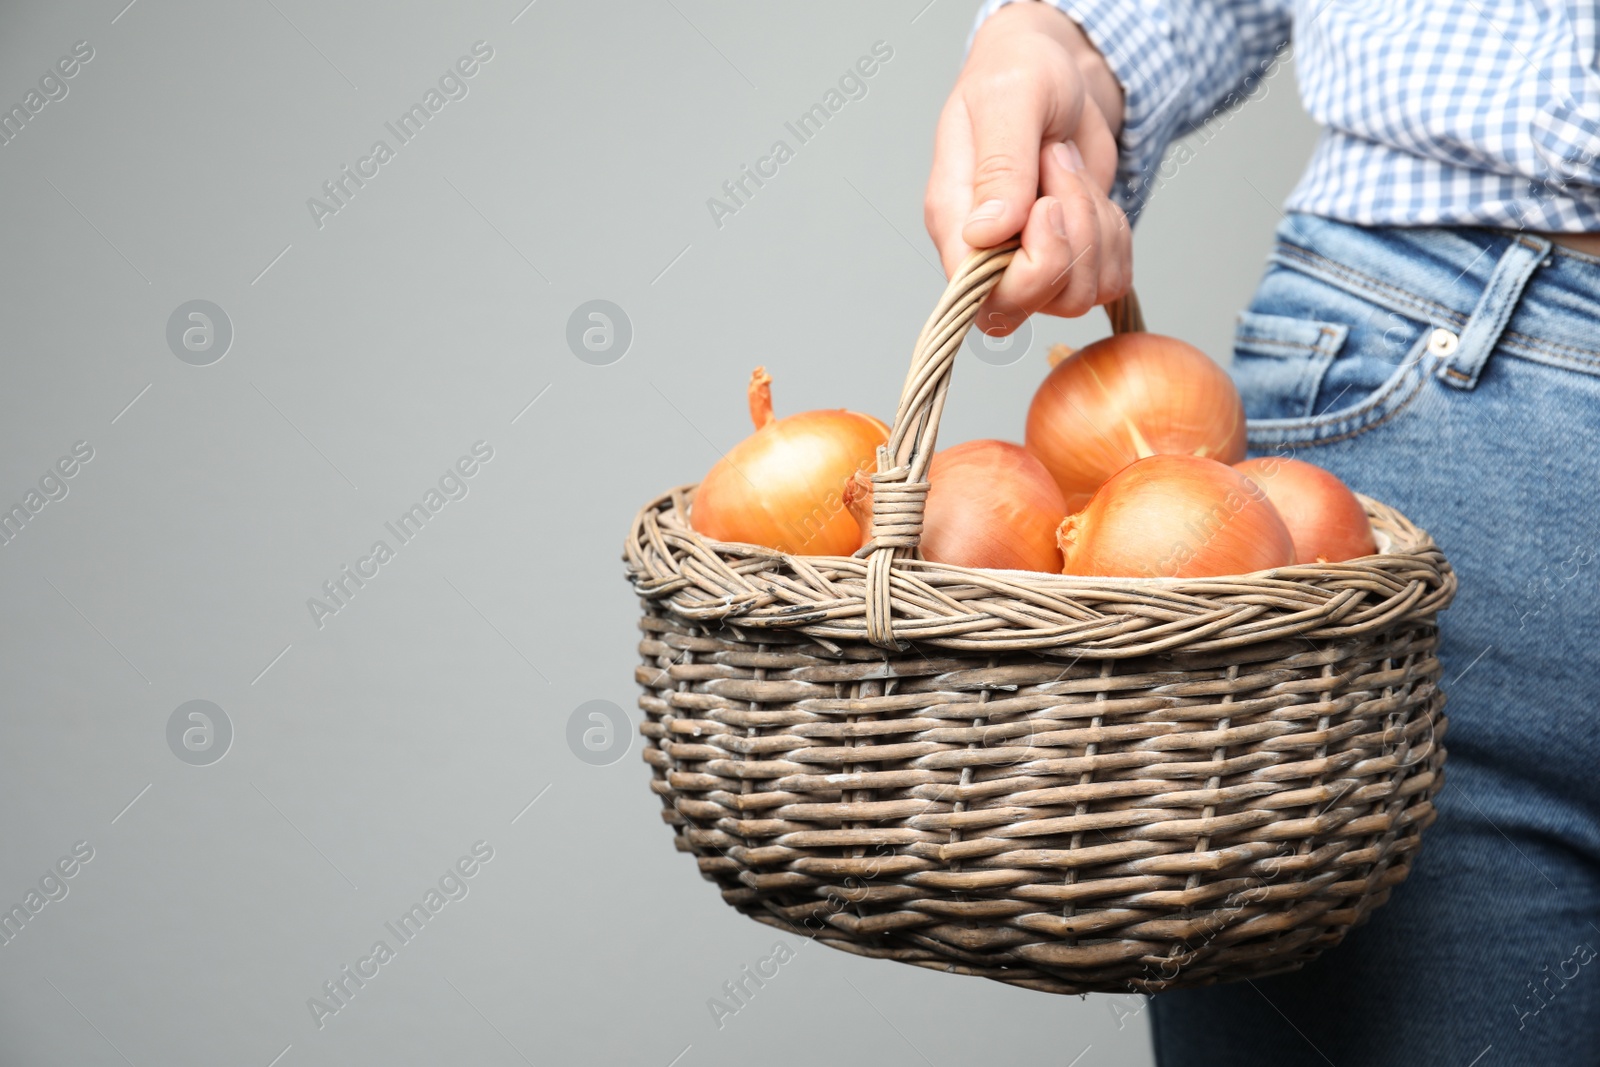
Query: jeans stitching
{"points": [[1358, 280], [1430, 309], [1539, 344], [1358, 430], [1272, 342], [1331, 338], [1295, 347], [1585, 257]]}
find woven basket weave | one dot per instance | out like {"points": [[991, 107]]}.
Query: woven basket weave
{"points": [[1069, 784]]}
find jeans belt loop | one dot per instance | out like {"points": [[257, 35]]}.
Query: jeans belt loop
{"points": [[1488, 320]]}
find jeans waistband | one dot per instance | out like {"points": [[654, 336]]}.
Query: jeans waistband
{"points": [[1489, 290]]}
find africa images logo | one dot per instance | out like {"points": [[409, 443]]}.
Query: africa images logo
{"points": [[53, 87], [342, 188], [452, 485], [852, 85], [452, 885]]}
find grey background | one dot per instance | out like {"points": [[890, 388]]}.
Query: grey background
{"points": [[368, 755]]}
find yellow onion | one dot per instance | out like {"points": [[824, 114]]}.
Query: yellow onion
{"points": [[1324, 517], [990, 504], [783, 486], [1126, 397], [1175, 517]]}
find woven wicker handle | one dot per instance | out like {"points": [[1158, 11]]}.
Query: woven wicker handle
{"points": [[900, 488]]}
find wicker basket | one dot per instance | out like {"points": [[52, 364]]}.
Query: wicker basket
{"points": [[1069, 784]]}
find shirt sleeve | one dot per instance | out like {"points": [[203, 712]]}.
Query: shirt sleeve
{"points": [[1178, 62]]}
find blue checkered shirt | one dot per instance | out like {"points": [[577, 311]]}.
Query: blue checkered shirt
{"points": [[1434, 112]]}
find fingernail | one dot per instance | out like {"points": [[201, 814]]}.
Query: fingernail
{"points": [[987, 211], [1063, 157], [1076, 163], [1057, 219]]}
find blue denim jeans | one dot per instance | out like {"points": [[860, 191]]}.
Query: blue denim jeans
{"points": [[1454, 374]]}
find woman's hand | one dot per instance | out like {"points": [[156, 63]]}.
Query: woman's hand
{"points": [[1027, 143]]}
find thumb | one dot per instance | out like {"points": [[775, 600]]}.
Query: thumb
{"points": [[1006, 135]]}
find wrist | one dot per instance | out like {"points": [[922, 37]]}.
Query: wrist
{"points": [[1099, 80]]}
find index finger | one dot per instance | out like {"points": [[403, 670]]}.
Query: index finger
{"points": [[949, 195]]}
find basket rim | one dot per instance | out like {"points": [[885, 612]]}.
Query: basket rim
{"points": [[748, 586], [1404, 537]]}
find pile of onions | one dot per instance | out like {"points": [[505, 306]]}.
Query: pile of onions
{"points": [[1137, 439], [1171, 516], [990, 504], [1127, 397], [783, 486], [1323, 516]]}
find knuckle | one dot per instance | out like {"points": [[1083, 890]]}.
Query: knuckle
{"points": [[1086, 261], [1117, 225], [1110, 285], [1072, 305], [1005, 83], [1022, 301], [1085, 286], [997, 168], [1119, 277], [1083, 198], [1085, 298]]}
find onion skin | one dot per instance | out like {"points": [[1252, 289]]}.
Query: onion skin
{"points": [[783, 486], [1327, 522], [990, 504], [1126, 397], [1175, 517]]}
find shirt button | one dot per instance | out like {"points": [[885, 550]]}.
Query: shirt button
{"points": [[1442, 342]]}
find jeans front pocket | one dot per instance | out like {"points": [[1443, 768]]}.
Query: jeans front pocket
{"points": [[1279, 362], [1315, 363]]}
